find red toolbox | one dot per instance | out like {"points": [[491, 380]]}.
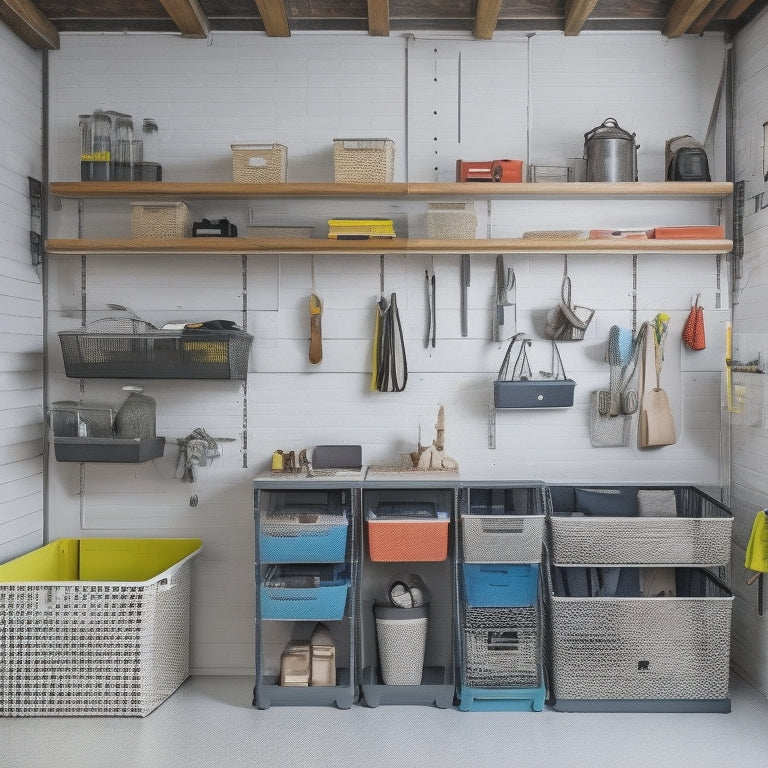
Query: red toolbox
{"points": [[489, 170]]}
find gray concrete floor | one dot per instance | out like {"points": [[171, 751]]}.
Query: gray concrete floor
{"points": [[209, 722]]}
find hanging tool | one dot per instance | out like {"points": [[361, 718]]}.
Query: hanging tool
{"points": [[505, 297], [756, 557], [430, 334], [315, 326], [464, 286]]}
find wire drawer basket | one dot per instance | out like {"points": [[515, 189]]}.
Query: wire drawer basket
{"points": [[698, 531], [641, 648], [503, 525], [85, 630], [126, 348], [501, 647]]}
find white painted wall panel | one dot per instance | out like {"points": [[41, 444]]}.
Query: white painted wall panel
{"points": [[438, 99], [21, 304], [749, 433]]}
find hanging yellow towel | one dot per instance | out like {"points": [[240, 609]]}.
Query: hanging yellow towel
{"points": [[757, 549]]}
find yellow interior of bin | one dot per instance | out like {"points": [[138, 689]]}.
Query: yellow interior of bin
{"points": [[99, 560]]}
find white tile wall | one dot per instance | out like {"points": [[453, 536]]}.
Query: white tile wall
{"points": [[512, 97], [21, 303], [750, 321]]}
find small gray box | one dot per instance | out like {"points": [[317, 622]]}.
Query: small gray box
{"points": [[337, 457], [533, 394]]}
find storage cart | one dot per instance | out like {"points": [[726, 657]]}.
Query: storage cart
{"points": [[637, 623], [307, 576], [499, 629], [408, 519]]}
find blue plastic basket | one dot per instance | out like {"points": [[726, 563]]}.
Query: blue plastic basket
{"points": [[304, 543], [500, 585], [325, 602]]}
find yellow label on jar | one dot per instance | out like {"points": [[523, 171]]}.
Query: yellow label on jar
{"points": [[96, 157]]}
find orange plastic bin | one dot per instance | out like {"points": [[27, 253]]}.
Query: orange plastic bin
{"points": [[407, 540]]}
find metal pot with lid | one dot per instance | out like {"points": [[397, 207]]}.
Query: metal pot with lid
{"points": [[610, 153]]}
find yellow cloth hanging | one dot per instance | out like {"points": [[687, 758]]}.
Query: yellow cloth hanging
{"points": [[756, 558]]}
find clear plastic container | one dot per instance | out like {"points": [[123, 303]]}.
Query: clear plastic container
{"points": [[151, 170], [96, 147]]}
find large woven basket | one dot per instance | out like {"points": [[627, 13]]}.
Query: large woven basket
{"points": [[603, 648], [74, 647], [700, 534], [451, 220], [363, 160]]}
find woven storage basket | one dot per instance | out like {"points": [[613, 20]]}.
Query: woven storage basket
{"points": [[259, 163], [363, 160], [501, 647], [513, 537], [643, 648], [160, 220], [699, 535], [451, 221], [75, 644]]}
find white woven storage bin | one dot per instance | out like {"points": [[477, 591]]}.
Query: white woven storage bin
{"points": [[516, 536], [259, 163], [94, 648], [366, 161], [700, 534], [402, 640], [451, 221], [160, 220], [645, 648]]}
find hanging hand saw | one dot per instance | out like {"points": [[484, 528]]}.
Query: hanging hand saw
{"points": [[505, 320]]}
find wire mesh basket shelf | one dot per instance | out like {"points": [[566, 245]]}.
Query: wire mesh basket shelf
{"points": [[128, 348]]}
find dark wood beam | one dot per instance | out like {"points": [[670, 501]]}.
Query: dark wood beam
{"points": [[378, 18], [576, 13], [736, 8], [273, 15], [29, 24], [700, 25], [486, 18], [188, 16], [682, 15]]}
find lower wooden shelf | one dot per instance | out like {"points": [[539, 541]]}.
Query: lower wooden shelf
{"points": [[238, 245]]}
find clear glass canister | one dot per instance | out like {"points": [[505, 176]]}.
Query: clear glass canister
{"points": [[151, 168], [96, 147]]}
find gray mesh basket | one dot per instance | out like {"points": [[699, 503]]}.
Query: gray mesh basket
{"points": [[513, 536], [129, 348], [699, 534], [641, 648], [501, 647]]}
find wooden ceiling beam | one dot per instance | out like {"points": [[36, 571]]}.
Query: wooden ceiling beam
{"points": [[576, 13], [378, 18], [700, 25], [682, 15], [188, 16], [736, 8], [36, 30], [486, 18], [275, 19]]}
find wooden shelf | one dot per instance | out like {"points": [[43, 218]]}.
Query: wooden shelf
{"points": [[239, 245], [145, 190]]}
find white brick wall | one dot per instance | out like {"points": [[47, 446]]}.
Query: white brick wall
{"points": [[305, 91], [21, 305]]}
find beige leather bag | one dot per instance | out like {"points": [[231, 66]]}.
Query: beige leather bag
{"points": [[656, 425]]}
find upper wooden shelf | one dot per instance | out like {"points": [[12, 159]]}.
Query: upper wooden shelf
{"points": [[137, 190], [240, 245]]}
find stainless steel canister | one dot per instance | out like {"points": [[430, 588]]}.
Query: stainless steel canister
{"points": [[610, 153]]}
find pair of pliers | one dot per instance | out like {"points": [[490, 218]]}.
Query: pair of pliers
{"points": [[430, 334]]}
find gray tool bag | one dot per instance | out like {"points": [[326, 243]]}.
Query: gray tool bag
{"points": [[521, 390]]}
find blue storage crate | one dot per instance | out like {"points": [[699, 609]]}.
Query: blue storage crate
{"points": [[500, 585], [306, 593], [283, 540]]}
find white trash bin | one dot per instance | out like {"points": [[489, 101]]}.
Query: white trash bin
{"points": [[402, 636]]}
